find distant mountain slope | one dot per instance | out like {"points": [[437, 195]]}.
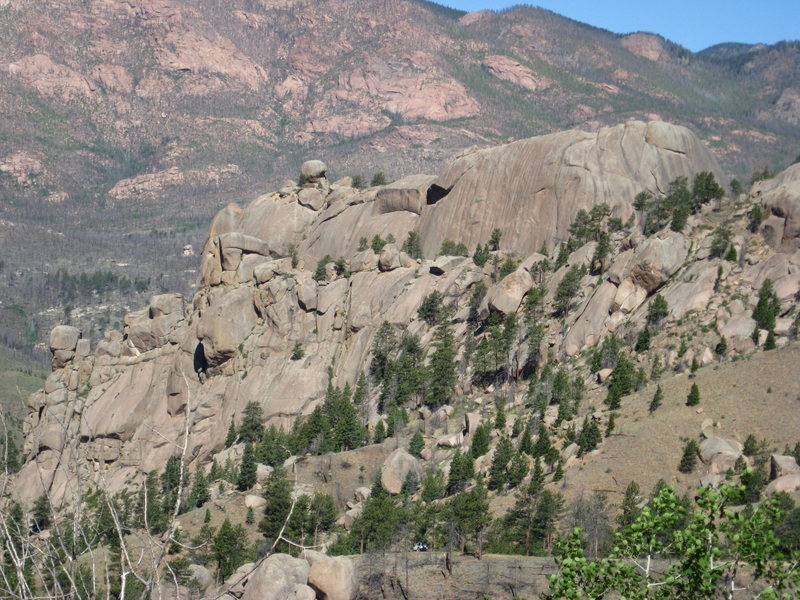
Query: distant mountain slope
{"points": [[127, 125]]}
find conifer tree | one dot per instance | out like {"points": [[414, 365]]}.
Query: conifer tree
{"points": [[322, 514], [689, 457], [526, 442], [380, 432], [278, 494], [462, 470], [468, 516], [416, 444], [500, 417], [643, 340], [247, 470], [767, 308], [769, 343], [658, 309], [498, 472], [170, 483], [229, 549], [543, 443], [480, 441], [360, 395], [658, 398], [693, 399], [200, 493], [383, 346], [433, 486], [518, 469], [612, 423], [630, 505], [231, 438], [442, 367], [252, 425], [41, 513], [589, 437]]}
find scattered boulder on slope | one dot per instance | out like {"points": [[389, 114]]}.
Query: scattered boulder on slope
{"points": [[395, 469]]}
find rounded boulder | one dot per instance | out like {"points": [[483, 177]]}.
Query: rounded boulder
{"points": [[334, 579]]}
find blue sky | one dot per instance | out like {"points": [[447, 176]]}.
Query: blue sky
{"points": [[694, 24]]}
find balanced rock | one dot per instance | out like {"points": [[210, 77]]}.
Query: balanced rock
{"points": [[313, 169]]}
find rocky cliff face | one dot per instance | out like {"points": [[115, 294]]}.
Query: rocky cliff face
{"points": [[182, 369], [149, 111]]}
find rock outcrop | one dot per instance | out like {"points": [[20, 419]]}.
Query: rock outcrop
{"points": [[259, 298]]}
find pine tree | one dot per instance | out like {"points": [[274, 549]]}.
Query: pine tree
{"points": [[689, 457], [413, 245], [462, 470], [767, 308], [547, 516], [543, 443], [721, 348], [769, 343], [526, 442], [695, 365], [231, 438], [322, 514], [612, 422], [481, 255], [377, 525], [693, 399], [442, 368], [643, 340], [170, 483], [42, 513], [658, 309], [380, 432], [658, 398], [416, 445], [630, 505], [383, 347], [247, 470], [468, 516], [500, 417], [229, 549], [200, 493], [494, 239], [589, 437], [480, 441], [518, 469], [433, 486], [278, 494], [360, 395], [252, 425], [498, 472]]}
